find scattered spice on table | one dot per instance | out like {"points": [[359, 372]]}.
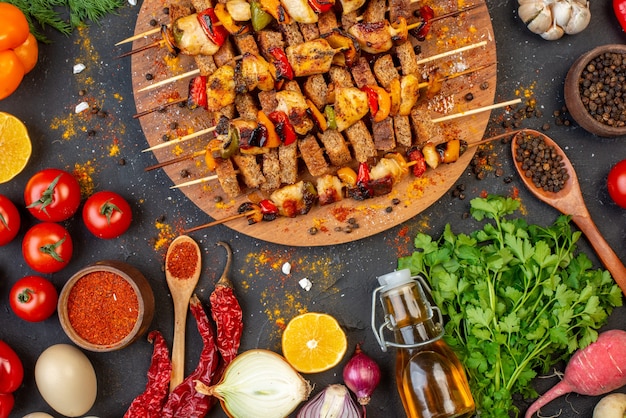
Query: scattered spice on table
{"points": [[165, 234], [182, 260], [150, 403], [84, 174], [102, 307]]}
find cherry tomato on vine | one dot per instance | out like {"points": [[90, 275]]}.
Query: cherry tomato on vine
{"points": [[33, 298], [52, 195], [28, 53], [13, 26], [107, 214], [47, 247], [11, 73], [12, 370], [9, 220], [616, 183]]}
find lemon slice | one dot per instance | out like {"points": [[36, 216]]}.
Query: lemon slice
{"points": [[15, 145], [313, 342]]}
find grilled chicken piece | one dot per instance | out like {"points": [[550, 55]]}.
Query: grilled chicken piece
{"points": [[409, 93], [329, 189], [254, 72], [374, 37], [295, 199], [349, 6], [350, 106], [220, 88], [300, 11], [294, 105], [312, 57], [190, 37]]}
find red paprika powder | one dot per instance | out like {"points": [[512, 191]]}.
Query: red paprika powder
{"points": [[102, 307], [182, 260]]}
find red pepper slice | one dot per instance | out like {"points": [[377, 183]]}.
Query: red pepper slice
{"points": [[283, 67], [363, 176], [268, 207], [211, 26], [284, 128], [372, 99], [197, 96], [321, 6], [426, 13], [619, 8]]}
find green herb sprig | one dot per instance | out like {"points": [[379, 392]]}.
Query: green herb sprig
{"points": [[518, 298], [42, 13]]}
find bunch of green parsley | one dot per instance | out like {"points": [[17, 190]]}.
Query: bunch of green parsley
{"points": [[517, 298], [63, 15]]}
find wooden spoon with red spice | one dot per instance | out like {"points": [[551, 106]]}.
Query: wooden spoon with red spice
{"points": [[182, 271]]}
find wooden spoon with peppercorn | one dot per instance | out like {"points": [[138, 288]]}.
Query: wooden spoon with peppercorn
{"points": [[563, 192], [182, 271]]}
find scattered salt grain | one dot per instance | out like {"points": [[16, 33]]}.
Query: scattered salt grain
{"points": [[286, 268], [305, 284], [78, 68], [81, 107]]}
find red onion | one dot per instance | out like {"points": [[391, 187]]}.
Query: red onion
{"points": [[334, 401], [361, 374]]}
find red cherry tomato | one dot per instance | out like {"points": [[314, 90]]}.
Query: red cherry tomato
{"points": [[13, 26], [33, 298], [11, 369], [616, 183], [47, 247], [9, 220], [6, 404], [11, 72], [107, 214], [52, 195], [28, 53]]}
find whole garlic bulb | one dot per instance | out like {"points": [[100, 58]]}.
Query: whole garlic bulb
{"points": [[551, 19]]}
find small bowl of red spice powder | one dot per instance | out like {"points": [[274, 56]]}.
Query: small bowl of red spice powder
{"points": [[106, 306]]}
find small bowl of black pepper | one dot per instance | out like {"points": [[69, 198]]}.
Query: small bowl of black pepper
{"points": [[595, 91]]}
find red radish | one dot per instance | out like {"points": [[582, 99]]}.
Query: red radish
{"points": [[595, 370]]}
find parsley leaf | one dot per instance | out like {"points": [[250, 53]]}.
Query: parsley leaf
{"points": [[517, 298]]}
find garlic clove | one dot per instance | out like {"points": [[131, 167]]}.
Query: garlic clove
{"points": [[555, 32], [581, 16], [530, 10], [561, 12], [542, 22]]}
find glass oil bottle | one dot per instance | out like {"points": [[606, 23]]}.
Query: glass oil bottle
{"points": [[430, 378]]}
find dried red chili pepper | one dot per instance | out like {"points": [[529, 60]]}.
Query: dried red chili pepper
{"points": [[150, 403], [184, 401], [226, 312], [212, 27], [283, 125]]}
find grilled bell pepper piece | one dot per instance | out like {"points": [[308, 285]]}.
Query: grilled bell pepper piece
{"points": [[426, 13], [253, 212], [273, 140], [347, 175], [212, 27], [372, 99], [197, 96], [329, 112], [231, 145], [284, 128], [227, 20], [169, 40], [269, 210], [210, 156], [321, 6], [350, 48], [283, 67], [317, 116]]}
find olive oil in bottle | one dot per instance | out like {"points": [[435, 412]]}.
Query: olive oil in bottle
{"points": [[430, 378]]}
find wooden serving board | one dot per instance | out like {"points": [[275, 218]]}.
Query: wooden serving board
{"points": [[409, 197]]}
